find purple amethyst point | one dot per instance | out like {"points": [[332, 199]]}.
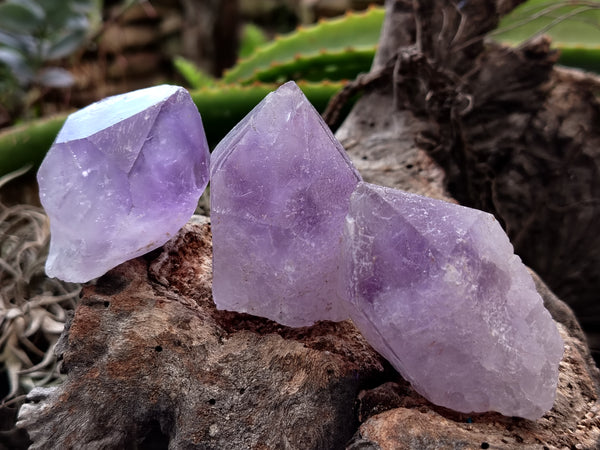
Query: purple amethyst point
{"points": [[436, 289], [122, 177], [280, 185]]}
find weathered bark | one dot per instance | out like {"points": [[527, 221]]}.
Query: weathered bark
{"points": [[514, 135], [150, 360]]}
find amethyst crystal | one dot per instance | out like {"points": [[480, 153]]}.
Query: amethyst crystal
{"points": [[280, 184], [122, 177], [436, 289]]}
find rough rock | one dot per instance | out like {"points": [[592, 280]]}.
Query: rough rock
{"points": [[408, 421], [149, 359]]}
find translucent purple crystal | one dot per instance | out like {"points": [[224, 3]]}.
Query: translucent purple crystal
{"points": [[436, 289], [123, 176], [280, 185]]}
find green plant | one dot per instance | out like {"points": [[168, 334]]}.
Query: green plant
{"points": [[345, 48], [195, 77], [332, 50], [252, 38], [35, 32], [573, 26], [221, 108]]}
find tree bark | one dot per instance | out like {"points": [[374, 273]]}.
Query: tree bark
{"points": [[490, 127], [511, 134]]}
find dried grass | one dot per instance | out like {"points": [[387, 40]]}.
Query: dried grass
{"points": [[33, 307]]}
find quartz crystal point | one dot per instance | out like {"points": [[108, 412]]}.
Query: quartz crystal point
{"points": [[122, 177], [436, 289], [280, 186]]}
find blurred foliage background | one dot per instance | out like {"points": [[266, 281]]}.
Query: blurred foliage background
{"points": [[58, 55]]}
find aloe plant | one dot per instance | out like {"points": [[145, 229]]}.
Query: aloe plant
{"points": [[342, 37], [252, 38], [195, 77], [335, 49], [221, 108], [346, 47], [573, 26]]}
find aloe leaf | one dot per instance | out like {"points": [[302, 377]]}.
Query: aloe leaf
{"points": [[573, 26], [585, 58], [221, 107], [194, 76], [342, 65], [27, 143], [354, 30], [252, 38]]}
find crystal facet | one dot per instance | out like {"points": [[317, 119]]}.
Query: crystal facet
{"points": [[436, 289], [280, 185], [122, 177]]}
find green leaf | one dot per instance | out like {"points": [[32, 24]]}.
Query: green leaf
{"points": [[85, 6], [252, 38], [25, 16], [23, 43], [570, 23], [221, 107], [10, 57], [55, 77], [63, 16], [66, 45], [339, 65], [583, 58], [573, 26], [57, 13], [354, 30], [10, 40], [17, 64], [195, 77], [27, 143]]}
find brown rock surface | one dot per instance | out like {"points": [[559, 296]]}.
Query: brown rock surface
{"points": [[150, 360], [410, 422]]}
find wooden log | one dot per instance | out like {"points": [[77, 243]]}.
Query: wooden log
{"points": [[403, 141]]}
